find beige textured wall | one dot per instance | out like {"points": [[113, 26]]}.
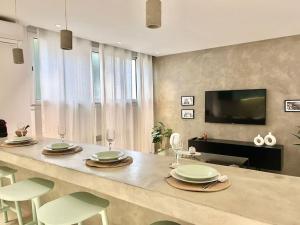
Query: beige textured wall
{"points": [[272, 64]]}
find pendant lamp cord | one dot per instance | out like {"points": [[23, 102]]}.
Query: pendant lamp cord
{"points": [[66, 15], [16, 11], [16, 20]]}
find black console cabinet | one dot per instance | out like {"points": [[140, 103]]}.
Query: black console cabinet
{"points": [[264, 157]]}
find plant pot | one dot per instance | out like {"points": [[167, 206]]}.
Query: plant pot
{"points": [[163, 145]]}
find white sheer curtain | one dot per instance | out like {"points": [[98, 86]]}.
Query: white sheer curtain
{"points": [[66, 88], [67, 93], [145, 112], [131, 119]]}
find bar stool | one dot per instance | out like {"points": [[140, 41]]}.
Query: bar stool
{"points": [[25, 190], [6, 172], [165, 223], [73, 209]]}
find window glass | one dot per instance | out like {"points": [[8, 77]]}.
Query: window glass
{"points": [[96, 76], [36, 69], [133, 80]]}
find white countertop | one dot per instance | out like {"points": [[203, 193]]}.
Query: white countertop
{"points": [[254, 197]]}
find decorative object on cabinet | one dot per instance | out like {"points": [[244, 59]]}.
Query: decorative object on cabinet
{"points": [[187, 100], [187, 114], [292, 105], [270, 139], [259, 140]]}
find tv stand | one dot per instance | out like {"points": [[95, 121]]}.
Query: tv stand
{"points": [[260, 157]]}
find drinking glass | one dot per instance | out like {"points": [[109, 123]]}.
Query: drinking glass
{"points": [[61, 130], [177, 148], [110, 137]]}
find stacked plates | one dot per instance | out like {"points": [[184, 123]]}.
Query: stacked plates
{"points": [[108, 156], [60, 147], [196, 174], [18, 140]]}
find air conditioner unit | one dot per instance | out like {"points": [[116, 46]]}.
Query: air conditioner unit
{"points": [[11, 32]]}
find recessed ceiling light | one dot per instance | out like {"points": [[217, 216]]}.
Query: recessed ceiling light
{"points": [[119, 42], [58, 25]]}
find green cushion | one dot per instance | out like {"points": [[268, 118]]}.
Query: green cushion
{"points": [[6, 171], [165, 223], [26, 189], [71, 209]]}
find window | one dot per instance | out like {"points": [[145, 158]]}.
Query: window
{"points": [[36, 69], [133, 80], [96, 76]]}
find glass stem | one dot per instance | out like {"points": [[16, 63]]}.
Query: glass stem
{"points": [[177, 158], [109, 146]]}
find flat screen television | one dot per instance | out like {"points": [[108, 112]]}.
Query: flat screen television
{"points": [[236, 106]]}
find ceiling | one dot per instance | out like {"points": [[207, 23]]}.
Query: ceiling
{"points": [[187, 25]]}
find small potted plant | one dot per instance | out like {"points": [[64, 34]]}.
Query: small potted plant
{"points": [[161, 136], [297, 136]]}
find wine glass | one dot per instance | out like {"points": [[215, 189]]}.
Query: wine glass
{"points": [[61, 130], [110, 137], [177, 148], [177, 145]]}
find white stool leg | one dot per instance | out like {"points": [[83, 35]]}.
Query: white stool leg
{"points": [[12, 178], [104, 218], [5, 217], [36, 204], [19, 213], [33, 210]]}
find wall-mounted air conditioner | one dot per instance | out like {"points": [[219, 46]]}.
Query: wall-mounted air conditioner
{"points": [[11, 32]]}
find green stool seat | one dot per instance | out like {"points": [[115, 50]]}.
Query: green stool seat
{"points": [[6, 171], [73, 209], [165, 223], [30, 189], [26, 189]]}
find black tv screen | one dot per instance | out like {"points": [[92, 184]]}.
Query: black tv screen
{"points": [[236, 106]]}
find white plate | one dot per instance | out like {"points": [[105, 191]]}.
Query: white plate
{"points": [[108, 161], [18, 140], [174, 175], [196, 172]]}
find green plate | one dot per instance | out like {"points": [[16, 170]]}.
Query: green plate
{"points": [[58, 146], [196, 172], [108, 155]]}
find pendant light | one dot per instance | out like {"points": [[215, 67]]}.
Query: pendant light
{"points": [[153, 14], [17, 52], [66, 41]]}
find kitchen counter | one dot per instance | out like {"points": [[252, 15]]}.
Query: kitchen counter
{"points": [[254, 198]]}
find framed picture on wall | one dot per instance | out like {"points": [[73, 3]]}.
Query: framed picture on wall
{"points": [[187, 114], [187, 100], [292, 105]]}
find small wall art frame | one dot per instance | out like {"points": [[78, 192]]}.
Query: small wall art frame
{"points": [[292, 105], [187, 100], [187, 114]]}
